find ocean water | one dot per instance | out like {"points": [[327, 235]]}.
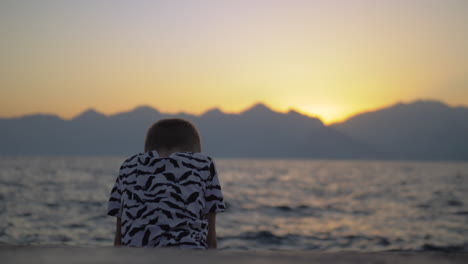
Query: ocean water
{"points": [[271, 204]]}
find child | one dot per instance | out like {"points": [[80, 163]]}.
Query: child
{"points": [[170, 194]]}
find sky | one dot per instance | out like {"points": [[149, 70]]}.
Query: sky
{"points": [[329, 59]]}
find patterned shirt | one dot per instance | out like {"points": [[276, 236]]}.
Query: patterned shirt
{"points": [[162, 202]]}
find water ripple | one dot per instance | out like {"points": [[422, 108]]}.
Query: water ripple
{"points": [[271, 204]]}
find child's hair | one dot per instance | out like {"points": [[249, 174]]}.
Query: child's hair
{"points": [[173, 133]]}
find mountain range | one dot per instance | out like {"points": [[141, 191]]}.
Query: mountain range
{"points": [[420, 130]]}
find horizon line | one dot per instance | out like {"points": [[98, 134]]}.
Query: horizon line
{"points": [[257, 103]]}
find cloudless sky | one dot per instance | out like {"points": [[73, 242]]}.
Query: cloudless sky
{"points": [[325, 58]]}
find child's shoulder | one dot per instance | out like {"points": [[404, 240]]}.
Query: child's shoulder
{"points": [[194, 157], [132, 158], [152, 158], [139, 158]]}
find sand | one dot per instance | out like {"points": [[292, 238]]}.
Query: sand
{"points": [[54, 254]]}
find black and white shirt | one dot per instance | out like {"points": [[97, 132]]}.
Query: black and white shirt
{"points": [[163, 201]]}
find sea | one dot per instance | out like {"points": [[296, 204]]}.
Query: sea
{"points": [[319, 205]]}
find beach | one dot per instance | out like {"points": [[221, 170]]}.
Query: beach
{"points": [[65, 254]]}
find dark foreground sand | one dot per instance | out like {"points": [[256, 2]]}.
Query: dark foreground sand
{"points": [[45, 254]]}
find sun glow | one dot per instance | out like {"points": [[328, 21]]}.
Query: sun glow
{"points": [[328, 113]]}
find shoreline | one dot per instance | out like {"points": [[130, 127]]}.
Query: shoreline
{"points": [[69, 254]]}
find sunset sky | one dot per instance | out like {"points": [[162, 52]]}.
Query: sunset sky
{"points": [[324, 58]]}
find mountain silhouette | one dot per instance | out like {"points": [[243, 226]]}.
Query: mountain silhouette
{"points": [[258, 109], [420, 130], [89, 115], [262, 132]]}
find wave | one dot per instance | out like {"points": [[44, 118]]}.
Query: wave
{"points": [[268, 240], [446, 249], [304, 210], [286, 208]]}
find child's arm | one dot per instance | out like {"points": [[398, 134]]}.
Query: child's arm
{"points": [[118, 233], [211, 237]]}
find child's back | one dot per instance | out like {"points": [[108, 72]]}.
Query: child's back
{"points": [[166, 201]]}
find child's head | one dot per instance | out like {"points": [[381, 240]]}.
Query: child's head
{"points": [[173, 135]]}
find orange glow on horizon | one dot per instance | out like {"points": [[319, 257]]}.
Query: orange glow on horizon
{"points": [[328, 114]]}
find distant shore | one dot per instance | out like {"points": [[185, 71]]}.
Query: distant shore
{"points": [[64, 254]]}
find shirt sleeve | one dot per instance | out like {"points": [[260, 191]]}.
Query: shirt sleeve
{"points": [[114, 206], [214, 200]]}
